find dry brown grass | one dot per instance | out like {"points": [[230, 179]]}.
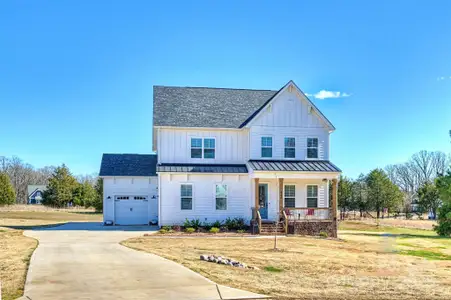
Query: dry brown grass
{"points": [[361, 265], [416, 224], [15, 253], [16, 249], [24, 207]]}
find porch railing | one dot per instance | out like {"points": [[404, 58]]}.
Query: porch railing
{"points": [[307, 213]]}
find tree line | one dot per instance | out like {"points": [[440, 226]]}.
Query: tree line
{"points": [[63, 188], [424, 181]]}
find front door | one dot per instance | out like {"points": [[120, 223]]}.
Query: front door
{"points": [[263, 200]]}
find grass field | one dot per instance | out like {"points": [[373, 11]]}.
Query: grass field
{"points": [[367, 262], [16, 249]]}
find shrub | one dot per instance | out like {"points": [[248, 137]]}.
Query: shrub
{"points": [[223, 229], [216, 223], [190, 230], [323, 234], [230, 223], [207, 226], [167, 228], [162, 231], [444, 220], [235, 223], [214, 230], [241, 231], [195, 223], [177, 228]]}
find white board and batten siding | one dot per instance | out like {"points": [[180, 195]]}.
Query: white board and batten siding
{"points": [[204, 197], [174, 145], [142, 187], [289, 116]]}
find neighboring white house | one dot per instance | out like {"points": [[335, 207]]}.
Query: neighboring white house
{"points": [[221, 153]]}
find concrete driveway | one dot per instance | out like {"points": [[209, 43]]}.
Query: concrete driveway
{"points": [[85, 261]]}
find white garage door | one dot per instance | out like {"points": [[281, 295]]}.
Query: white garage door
{"points": [[131, 210]]}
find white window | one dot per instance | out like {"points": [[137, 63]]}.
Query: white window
{"points": [[290, 147], [203, 148], [312, 148], [266, 146], [186, 194], [209, 148], [312, 196], [221, 197], [196, 148], [290, 196]]}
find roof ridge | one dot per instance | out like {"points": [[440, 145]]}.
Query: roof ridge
{"points": [[214, 88]]}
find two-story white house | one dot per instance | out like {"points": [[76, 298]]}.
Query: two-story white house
{"points": [[261, 155]]}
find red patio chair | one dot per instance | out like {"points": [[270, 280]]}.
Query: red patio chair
{"points": [[310, 212]]}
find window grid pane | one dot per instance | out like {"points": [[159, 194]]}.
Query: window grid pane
{"points": [[290, 202], [186, 190], [221, 203], [266, 141], [266, 152], [312, 202], [312, 142], [312, 191], [209, 153], [312, 153], [196, 143], [187, 203], [290, 153], [290, 142], [209, 143], [290, 191]]}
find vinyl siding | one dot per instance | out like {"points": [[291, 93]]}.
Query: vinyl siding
{"points": [[204, 201], [175, 145]]}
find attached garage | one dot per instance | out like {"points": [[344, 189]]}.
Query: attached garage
{"points": [[130, 192]]}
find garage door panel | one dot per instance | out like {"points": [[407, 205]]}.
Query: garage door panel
{"points": [[131, 210]]}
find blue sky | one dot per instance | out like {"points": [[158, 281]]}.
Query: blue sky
{"points": [[76, 77]]}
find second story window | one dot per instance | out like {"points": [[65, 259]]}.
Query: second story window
{"points": [[266, 146], [196, 148], [312, 148], [209, 148], [290, 147]]}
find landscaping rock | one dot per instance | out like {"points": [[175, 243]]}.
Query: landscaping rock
{"points": [[225, 261]]}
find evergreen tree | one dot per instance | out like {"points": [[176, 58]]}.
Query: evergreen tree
{"points": [[443, 184], [7, 194], [428, 198], [61, 188]]}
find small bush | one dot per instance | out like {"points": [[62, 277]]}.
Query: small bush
{"points": [[216, 224], [195, 223], [235, 223], [162, 231], [177, 228], [224, 229], [207, 226], [323, 234], [167, 228], [190, 230], [171, 231], [214, 230], [241, 231]]}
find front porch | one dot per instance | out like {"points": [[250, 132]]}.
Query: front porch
{"points": [[304, 204]]}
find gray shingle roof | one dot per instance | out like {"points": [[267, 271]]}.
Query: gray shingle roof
{"points": [[202, 168], [206, 107], [128, 165], [294, 165]]}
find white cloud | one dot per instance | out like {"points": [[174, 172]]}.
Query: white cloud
{"points": [[441, 78], [324, 94]]}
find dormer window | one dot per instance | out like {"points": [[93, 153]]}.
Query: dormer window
{"points": [[312, 148], [266, 146]]}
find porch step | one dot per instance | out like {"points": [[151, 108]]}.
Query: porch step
{"points": [[271, 228]]}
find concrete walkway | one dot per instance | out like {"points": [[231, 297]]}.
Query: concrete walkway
{"points": [[85, 261]]}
